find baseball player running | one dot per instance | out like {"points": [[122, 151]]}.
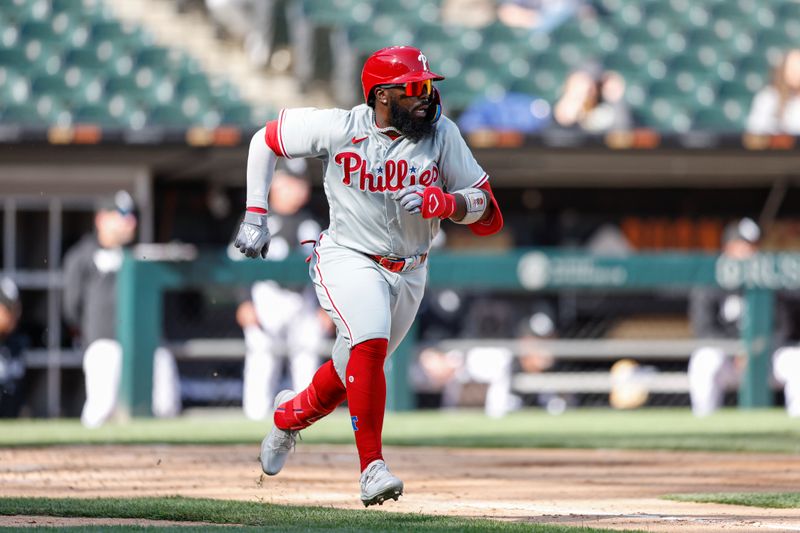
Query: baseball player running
{"points": [[394, 167]]}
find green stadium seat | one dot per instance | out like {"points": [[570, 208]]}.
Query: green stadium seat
{"points": [[25, 10], [622, 63], [665, 12], [665, 115], [789, 11], [85, 59], [154, 57], [338, 13], [735, 109], [754, 72], [167, 115], [548, 83], [22, 114], [714, 119], [14, 58], [498, 32], [14, 87], [790, 28], [194, 84], [53, 84], [40, 30], [730, 11], [631, 14], [238, 115], [382, 31], [410, 11], [96, 114], [73, 8], [737, 90], [657, 28]]}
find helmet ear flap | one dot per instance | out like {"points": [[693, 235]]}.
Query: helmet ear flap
{"points": [[435, 109]]}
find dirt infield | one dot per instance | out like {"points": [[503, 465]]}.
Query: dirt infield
{"points": [[599, 488]]}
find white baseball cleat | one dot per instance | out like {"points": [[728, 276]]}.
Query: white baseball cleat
{"points": [[278, 443], [378, 484]]}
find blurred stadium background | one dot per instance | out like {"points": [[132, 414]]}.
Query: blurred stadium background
{"points": [[160, 97]]}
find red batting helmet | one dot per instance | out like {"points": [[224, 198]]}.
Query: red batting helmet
{"points": [[395, 64]]}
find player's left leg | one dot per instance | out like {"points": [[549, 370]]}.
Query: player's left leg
{"points": [[294, 412], [366, 386]]}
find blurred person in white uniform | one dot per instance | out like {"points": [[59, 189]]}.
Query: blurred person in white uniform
{"points": [[282, 323], [494, 366]]}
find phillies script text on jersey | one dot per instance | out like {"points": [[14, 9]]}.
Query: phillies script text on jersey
{"points": [[392, 178]]}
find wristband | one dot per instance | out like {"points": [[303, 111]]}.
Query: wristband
{"points": [[475, 200], [437, 203]]}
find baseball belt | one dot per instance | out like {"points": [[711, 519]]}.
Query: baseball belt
{"points": [[399, 264]]}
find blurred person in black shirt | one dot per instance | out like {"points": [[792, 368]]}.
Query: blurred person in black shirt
{"points": [[90, 307], [12, 368], [716, 313]]}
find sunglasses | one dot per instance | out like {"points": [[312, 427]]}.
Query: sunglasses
{"points": [[414, 88]]}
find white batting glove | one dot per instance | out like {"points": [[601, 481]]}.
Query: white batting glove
{"points": [[410, 198], [253, 237]]}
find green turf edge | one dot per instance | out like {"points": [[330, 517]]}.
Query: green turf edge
{"points": [[759, 430], [774, 500], [264, 515]]}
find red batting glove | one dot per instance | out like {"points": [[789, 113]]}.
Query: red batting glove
{"points": [[437, 203]]}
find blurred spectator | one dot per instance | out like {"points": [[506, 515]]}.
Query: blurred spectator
{"points": [[510, 112], [12, 368], [90, 306], [776, 107], [448, 372], [538, 15], [248, 20], [593, 101], [279, 322], [716, 313]]}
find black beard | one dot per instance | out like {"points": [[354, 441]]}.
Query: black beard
{"points": [[415, 129]]}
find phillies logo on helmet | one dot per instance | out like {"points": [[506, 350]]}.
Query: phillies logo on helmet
{"points": [[393, 176]]}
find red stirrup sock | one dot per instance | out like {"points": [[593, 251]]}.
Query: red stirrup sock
{"points": [[366, 397], [320, 398]]}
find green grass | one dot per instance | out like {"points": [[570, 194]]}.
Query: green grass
{"points": [[767, 430], [775, 500], [262, 515]]}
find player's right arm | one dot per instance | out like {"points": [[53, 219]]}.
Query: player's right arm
{"points": [[301, 132], [253, 236]]}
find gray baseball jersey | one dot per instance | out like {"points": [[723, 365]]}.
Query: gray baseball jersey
{"points": [[363, 166]]}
